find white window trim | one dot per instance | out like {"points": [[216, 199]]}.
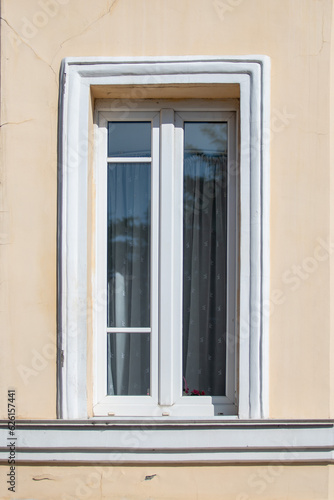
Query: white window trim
{"points": [[252, 75], [166, 278]]}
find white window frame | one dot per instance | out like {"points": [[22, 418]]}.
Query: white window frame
{"points": [[251, 73], [167, 122]]}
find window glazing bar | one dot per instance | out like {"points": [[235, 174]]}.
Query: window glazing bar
{"points": [[128, 330], [130, 159]]}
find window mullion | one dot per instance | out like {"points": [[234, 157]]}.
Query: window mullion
{"points": [[166, 362]]}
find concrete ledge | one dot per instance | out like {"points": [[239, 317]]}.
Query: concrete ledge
{"points": [[180, 441]]}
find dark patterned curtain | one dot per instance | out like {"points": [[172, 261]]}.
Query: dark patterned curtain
{"points": [[204, 273]]}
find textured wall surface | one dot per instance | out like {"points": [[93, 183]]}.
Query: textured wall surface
{"points": [[273, 482], [296, 34]]}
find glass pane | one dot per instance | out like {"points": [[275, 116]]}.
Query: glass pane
{"points": [[128, 364], [204, 258], [205, 138], [131, 139], [128, 253]]}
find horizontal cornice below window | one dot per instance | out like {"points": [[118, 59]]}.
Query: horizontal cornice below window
{"points": [[144, 440]]}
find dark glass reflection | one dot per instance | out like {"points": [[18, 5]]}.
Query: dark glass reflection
{"points": [[205, 138], [204, 257], [129, 139], [128, 254], [128, 364]]}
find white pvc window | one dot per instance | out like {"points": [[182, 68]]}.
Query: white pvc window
{"points": [[167, 251], [80, 254]]}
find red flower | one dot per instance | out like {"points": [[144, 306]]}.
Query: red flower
{"points": [[195, 392]]}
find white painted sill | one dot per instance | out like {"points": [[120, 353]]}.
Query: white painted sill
{"points": [[126, 441]]}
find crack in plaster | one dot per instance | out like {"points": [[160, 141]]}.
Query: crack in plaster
{"points": [[16, 123], [111, 6], [313, 132], [323, 38], [323, 41], [43, 479], [30, 47]]}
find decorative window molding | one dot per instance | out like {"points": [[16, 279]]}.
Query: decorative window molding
{"points": [[78, 77]]}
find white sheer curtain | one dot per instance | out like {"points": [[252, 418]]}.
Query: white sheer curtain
{"points": [[128, 277], [204, 273]]}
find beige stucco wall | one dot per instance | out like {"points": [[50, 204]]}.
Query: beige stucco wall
{"points": [[267, 482], [296, 34]]}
